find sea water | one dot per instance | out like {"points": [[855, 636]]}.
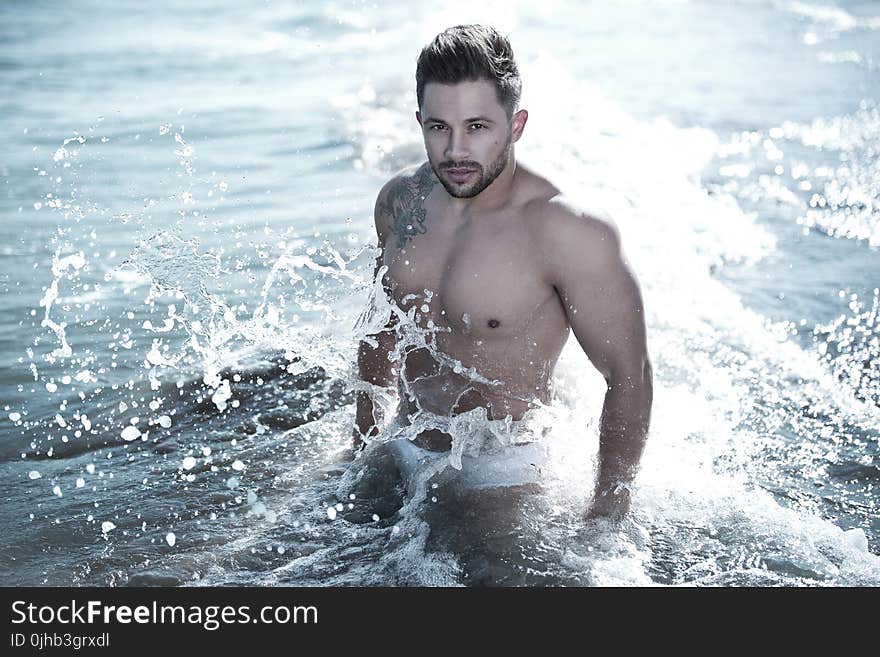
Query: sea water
{"points": [[188, 247]]}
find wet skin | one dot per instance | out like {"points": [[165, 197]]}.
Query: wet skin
{"points": [[461, 253], [487, 306]]}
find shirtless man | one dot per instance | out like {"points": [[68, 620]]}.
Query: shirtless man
{"points": [[510, 267]]}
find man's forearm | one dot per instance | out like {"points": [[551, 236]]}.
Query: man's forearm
{"points": [[626, 416], [375, 368]]}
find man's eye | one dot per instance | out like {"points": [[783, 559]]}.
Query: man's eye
{"points": [[477, 126], [437, 126]]}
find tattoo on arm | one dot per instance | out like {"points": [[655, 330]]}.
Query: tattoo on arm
{"points": [[405, 203]]}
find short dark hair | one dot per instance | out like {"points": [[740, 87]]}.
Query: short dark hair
{"points": [[470, 52]]}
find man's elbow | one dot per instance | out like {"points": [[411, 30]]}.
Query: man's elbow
{"points": [[643, 378], [636, 377], [648, 383], [632, 389], [647, 373]]}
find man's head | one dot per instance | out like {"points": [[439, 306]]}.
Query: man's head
{"points": [[468, 53], [468, 88]]}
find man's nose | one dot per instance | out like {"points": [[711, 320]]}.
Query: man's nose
{"points": [[456, 147]]}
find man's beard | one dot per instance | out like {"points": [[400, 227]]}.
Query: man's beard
{"points": [[485, 177]]}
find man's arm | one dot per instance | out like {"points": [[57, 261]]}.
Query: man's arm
{"points": [[603, 302], [375, 368], [373, 364]]}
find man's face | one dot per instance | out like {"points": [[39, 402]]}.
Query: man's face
{"points": [[468, 136]]}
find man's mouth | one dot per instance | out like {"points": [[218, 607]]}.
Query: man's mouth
{"points": [[459, 175]]}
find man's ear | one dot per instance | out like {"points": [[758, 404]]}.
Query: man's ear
{"points": [[519, 124], [418, 117]]}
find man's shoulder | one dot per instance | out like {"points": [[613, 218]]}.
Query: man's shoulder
{"points": [[556, 215], [399, 192], [404, 180], [563, 228]]}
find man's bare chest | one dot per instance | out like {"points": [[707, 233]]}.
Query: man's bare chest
{"points": [[472, 279]]}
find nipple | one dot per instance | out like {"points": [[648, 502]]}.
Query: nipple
{"points": [[493, 323]]}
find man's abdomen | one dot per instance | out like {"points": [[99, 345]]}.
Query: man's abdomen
{"points": [[436, 388]]}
